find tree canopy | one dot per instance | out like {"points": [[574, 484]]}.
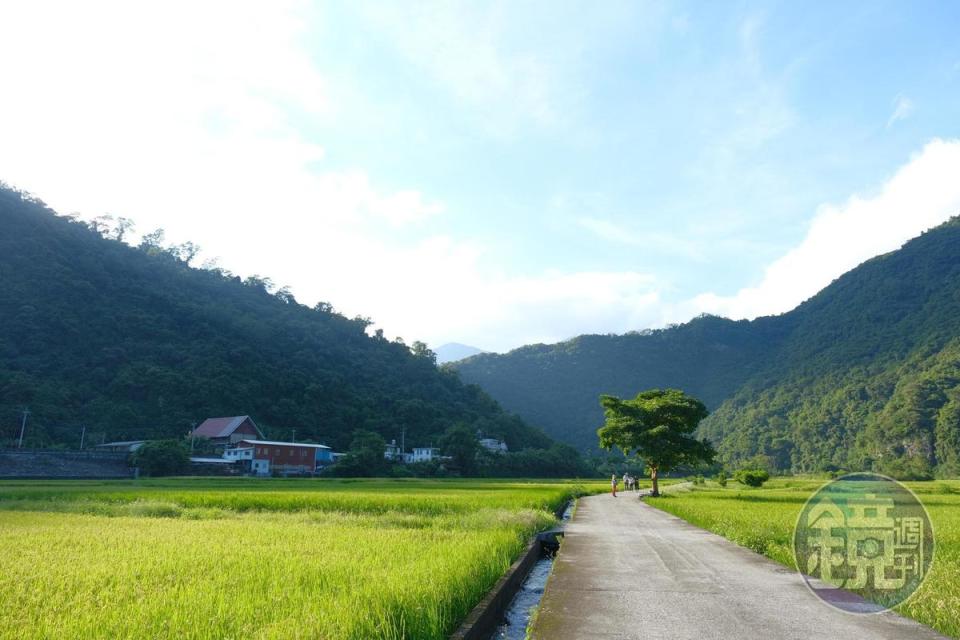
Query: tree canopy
{"points": [[161, 458], [656, 426], [461, 444]]}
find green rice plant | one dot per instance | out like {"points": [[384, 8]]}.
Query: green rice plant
{"points": [[245, 558]]}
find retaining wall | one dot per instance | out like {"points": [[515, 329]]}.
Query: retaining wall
{"points": [[63, 464]]}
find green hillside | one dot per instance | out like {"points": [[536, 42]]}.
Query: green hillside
{"points": [[558, 386], [135, 343], [866, 374], [870, 375]]}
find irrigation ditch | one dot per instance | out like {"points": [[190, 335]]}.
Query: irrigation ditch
{"points": [[506, 610]]}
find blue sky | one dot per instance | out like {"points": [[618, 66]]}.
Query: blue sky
{"points": [[499, 173]]}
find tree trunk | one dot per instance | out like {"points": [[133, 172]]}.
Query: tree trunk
{"points": [[656, 487]]}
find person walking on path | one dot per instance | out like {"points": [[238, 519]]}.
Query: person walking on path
{"points": [[613, 485]]}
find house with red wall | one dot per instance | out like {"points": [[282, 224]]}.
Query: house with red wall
{"points": [[267, 457]]}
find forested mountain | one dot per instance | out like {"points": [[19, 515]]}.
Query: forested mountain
{"points": [[866, 374], [132, 342], [558, 386]]}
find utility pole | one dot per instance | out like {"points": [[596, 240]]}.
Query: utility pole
{"points": [[293, 438], [83, 432], [23, 427], [403, 440]]}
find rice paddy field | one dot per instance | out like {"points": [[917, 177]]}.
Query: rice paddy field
{"points": [[245, 558], [763, 520]]}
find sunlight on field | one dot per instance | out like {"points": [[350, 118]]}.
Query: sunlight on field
{"points": [[261, 559], [763, 520]]}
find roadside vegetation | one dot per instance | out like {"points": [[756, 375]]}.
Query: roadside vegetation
{"points": [[260, 558], [762, 519]]}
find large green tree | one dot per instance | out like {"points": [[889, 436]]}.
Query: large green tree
{"points": [[656, 426], [460, 443], [161, 458], [365, 456]]}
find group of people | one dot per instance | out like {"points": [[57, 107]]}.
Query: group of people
{"points": [[629, 483]]}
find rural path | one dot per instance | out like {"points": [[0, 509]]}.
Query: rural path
{"points": [[628, 570]]}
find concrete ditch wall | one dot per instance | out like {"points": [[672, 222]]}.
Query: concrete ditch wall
{"points": [[489, 613]]}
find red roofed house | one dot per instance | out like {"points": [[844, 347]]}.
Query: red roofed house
{"points": [[226, 431]]}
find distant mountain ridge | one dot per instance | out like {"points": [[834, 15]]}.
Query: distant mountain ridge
{"points": [[454, 351], [134, 343], [865, 374]]}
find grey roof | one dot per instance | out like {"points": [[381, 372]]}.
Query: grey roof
{"points": [[124, 443], [287, 444], [222, 427]]}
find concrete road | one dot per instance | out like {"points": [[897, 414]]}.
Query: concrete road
{"points": [[627, 570]]}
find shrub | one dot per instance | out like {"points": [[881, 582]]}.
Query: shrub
{"points": [[161, 458], [722, 478], [751, 477]]}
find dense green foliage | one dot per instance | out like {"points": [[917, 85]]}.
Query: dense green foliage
{"points": [[558, 461], [763, 520], [161, 458], [750, 477], [364, 458], [461, 444], [870, 375], [657, 427], [864, 375], [133, 342], [244, 558]]}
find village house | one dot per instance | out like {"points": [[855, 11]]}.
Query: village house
{"points": [[393, 451], [267, 457], [424, 454], [493, 445], [227, 431]]}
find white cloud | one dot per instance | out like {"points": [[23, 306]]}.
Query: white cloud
{"points": [[183, 116], [902, 109], [441, 289], [922, 194]]}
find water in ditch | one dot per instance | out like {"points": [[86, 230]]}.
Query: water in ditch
{"points": [[527, 600]]}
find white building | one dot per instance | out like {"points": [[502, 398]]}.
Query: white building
{"points": [[493, 445], [424, 454], [393, 451], [245, 453]]}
